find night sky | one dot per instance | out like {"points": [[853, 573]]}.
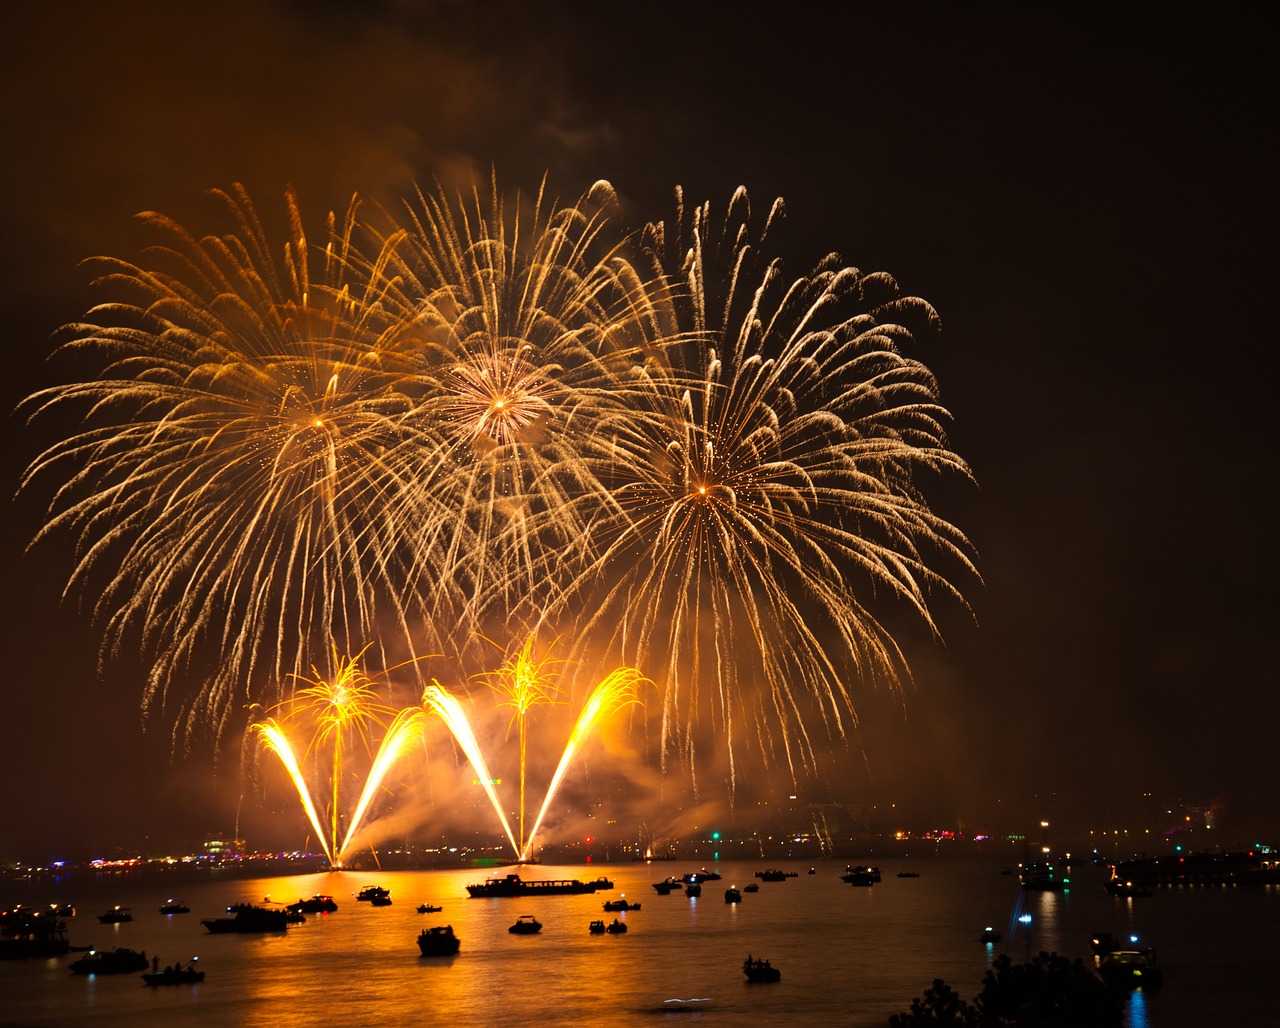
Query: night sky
{"points": [[1086, 195]]}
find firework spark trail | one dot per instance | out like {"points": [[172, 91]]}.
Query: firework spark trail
{"points": [[526, 682], [619, 688], [532, 323], [278, 743], [401, 734], [775, 478], [245, 475], [439, 701]]}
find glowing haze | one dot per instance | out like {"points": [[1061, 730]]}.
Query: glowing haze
{"points": [[493, 414]]}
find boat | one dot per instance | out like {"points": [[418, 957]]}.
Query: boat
{"points": [[813, 870], [701, 875], [314, 905], [753, 887], [1129, 968], [665, 887], [989, 935], [760, 971], [772, 875], [372, 892], [1126, 889], [1038, 877], [861, 874], [526, 924], [26, 932], [602, 884], [427, 908], [438, 941], [908, 874], [116, 915], [616, 927], [174, 907], [596, 927], [382, 899], [175, 975], [693, 889], [620, 904], [115, 961], [732, 895], [514, 885], [247, 918]]}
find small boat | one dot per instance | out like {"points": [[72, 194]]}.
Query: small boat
{"points": [[620, 904], [596, 927], [116, 915], [1126, 889], [616, 927], [693, 889], [372, 892], [427, 908], [701, 875], [602, 884], [116, 961], [438, 941], [908, 874], [760, 971], [315, 905], [753, 887], [245, 918], [665, 887], [861, 874], [382, 899], [732, 895], [813, 870], [989, 935], [175, 907], [526, 924], [175, 975], [1129, 968]]}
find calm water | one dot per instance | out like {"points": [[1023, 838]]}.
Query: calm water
{"points": [[849, 956]]}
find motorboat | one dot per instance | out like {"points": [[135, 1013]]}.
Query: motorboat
{"points": [[382, 899], [428, 908], [1129, 968], [701, 875], [620, 904], [175, 975], [989, 935], [665, 887], [861, 874], [245, 918], [596, 927], [526, 924], [753, 887], [438, 941], [174, 907], [732, 895], [314, 905], [372, 892], [616, 927], [693, 889], [760, 971], [114, 961], [116, 915]]}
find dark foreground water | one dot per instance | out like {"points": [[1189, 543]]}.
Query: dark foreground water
{"points": [[849, 956]]}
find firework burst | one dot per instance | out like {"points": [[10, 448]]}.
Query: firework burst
{"points": [[772, 487], [243, 476]]}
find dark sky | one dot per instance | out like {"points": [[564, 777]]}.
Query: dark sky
{"points": [[1085, 194]]}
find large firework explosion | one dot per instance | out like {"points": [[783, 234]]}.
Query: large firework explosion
{"points": [[482, 411]]}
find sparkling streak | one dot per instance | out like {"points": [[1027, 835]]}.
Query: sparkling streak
{"points": [[438, 701], [619, 688], [276, 741], [404, 730]]}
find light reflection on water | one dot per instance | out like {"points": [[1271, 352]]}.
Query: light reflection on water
{"points": [[850, 956]]}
